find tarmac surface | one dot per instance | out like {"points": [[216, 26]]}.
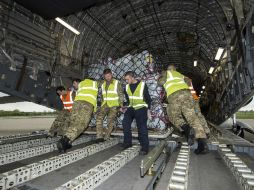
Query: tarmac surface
{"points": [[21, 125]]}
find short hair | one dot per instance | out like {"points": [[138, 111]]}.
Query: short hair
{"points": [[59, 88], [129, 73], [107, 71], [171, 66], [76, 80]]}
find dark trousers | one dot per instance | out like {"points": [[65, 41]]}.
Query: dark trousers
{"points": [[140, 116]]}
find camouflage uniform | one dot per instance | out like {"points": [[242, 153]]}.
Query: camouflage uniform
{"points": [[181, 108], [197, 107], [62, 120], [111, 113], [79, 119], [201, 117], [60, 123]]}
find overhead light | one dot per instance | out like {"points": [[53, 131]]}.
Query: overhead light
{"points": [[201, 92], [219, 53], [67, 25], [211, 70], [225, 55], [203, 87], [195, 63]]}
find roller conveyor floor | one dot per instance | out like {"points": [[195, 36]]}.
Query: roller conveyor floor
{"points": [[62, 175], [127, 177], [208, 171], [25, 162], [205, 172]]}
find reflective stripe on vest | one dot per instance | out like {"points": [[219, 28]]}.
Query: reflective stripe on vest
{"points": [[67, 100], [193, 92], [136, 99], [87, 91], [175, 82], [110, 96]]}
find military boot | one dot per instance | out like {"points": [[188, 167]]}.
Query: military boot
{"points": [[202, 147], [51, 134], [189, 134], [63, 144]]}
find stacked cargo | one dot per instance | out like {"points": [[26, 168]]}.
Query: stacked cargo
{"points": [[143, 66]]}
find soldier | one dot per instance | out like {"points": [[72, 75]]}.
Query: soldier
{"points": [[197, 107], [112, 99], [62, 120], [139, 102], [83, 107], [181, 104], [75, 83]]}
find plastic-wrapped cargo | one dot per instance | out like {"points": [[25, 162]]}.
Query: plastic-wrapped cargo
{"points": [[143, 66]]}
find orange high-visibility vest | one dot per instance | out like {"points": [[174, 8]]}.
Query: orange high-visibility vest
{"points": [[193, 92], [67, 100]]}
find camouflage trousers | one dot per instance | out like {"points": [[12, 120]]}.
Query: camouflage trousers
{"points": [[79, 119], [111, 114], [181, 110], [60, 123], [201, 117]]}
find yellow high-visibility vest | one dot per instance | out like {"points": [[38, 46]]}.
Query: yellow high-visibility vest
{"points": [[110, 96], [175, 82], [87, 91], [137, 98]]}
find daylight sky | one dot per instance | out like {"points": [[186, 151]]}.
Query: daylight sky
{"points": [[31, 107], [23, 106]]}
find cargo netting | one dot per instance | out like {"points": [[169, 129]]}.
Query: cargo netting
{"points": [[143, 65]]}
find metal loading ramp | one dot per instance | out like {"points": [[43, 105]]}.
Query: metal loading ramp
{"points": [[169, 165]]}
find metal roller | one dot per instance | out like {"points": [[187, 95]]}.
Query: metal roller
{"points": [[179, 172], [176, 186], [178, 178], [181, 167]]}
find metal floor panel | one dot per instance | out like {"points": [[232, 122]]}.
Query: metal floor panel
{"points": [[209, 172], [58, 177], [127, 178]]}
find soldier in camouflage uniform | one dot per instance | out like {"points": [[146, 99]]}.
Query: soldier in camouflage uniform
{"points": [[62, 120], [181, 120], [84, 105], [201, 117], [181, 107], [112, 99], [60, 123], [197, 107]]}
